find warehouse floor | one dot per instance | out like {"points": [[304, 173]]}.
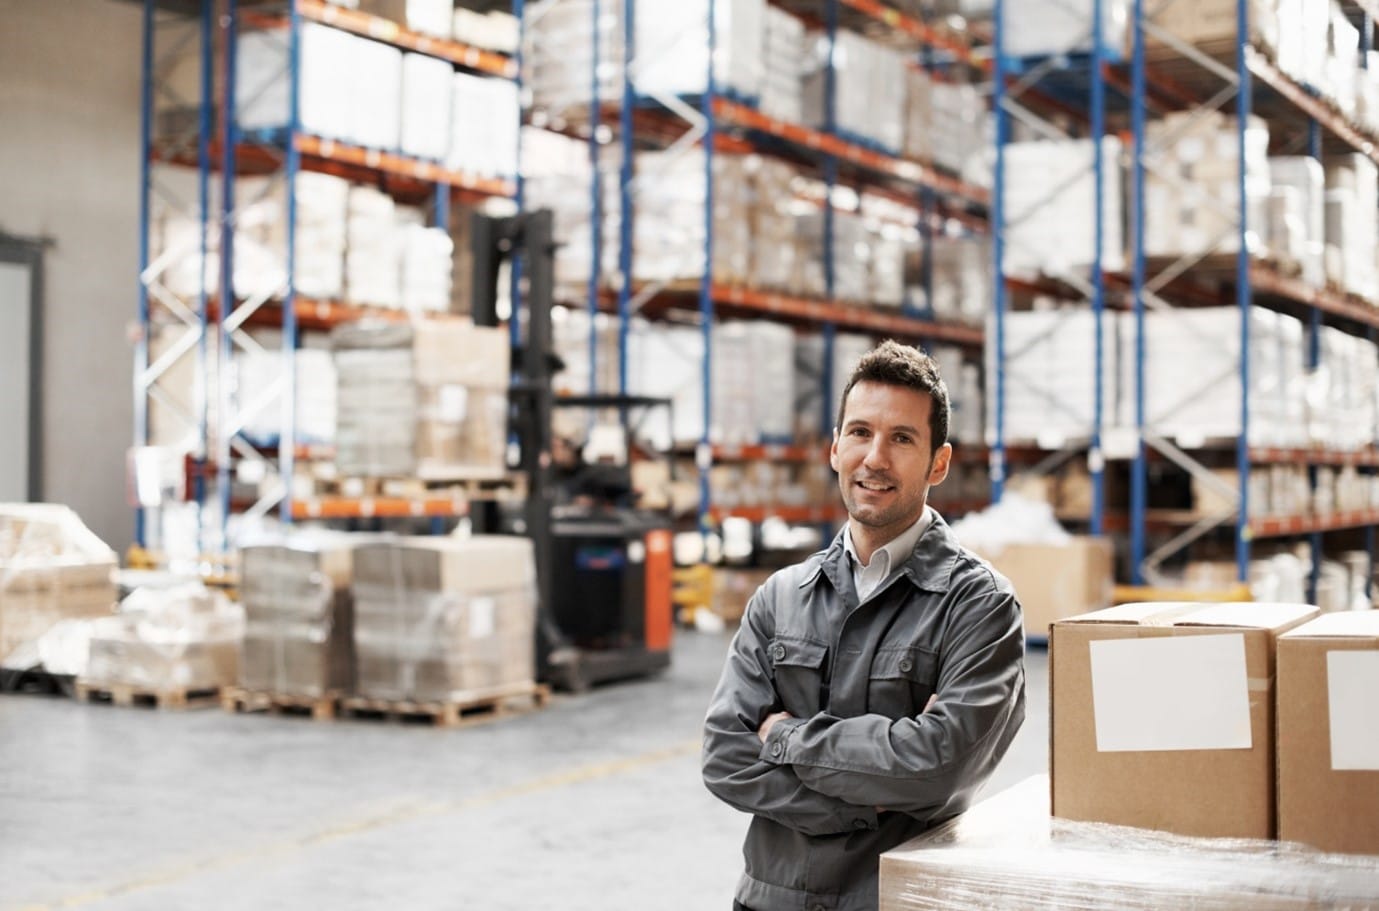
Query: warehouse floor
{"points": [[594, 802]]}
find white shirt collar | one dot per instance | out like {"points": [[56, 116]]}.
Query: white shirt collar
{"points": [[889, 555]]}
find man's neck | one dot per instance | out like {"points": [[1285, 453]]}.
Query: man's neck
{"points": [[866, 541]]}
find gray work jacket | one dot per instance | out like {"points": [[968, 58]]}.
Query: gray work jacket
{"points": [[861, 767]]}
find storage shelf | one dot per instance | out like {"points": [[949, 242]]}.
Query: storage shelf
{"points": [[804, 137], [1301, 525], [769, 452], [313, 313], [1266, 71], [400, 166], [841, 315], [758, 514], [380, 507], [389, 32], [1272, 456]]}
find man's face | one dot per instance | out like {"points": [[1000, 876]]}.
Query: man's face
{"points": [[881, 454]]}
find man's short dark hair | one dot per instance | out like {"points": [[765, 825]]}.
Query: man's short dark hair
{"points": [[895, 364]]}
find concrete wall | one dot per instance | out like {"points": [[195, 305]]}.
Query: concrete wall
{"points": [[69, 171]]}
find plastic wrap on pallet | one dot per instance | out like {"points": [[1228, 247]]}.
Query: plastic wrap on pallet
{"points": [[668, 362], [1050, 189], [299, 615], [869, 87], [186, 637], [52, 568], [1352, 225], [426, 106], [1036, 28], [752, 383], [558, 64], [259, 374], [484, 126], [440, 618], [373, 255], [263, 92], [322, 202], [1009, 853], [945, 122], [784, 49], [375, 403]]}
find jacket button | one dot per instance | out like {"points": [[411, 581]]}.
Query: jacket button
{"points": [[778, 652], [775, 748], [859, 823], [906, 665]]}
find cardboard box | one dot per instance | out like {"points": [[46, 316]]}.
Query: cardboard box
{"points": [[1054, 581], [1162, 716], [1328, 753], [1007, 854]]}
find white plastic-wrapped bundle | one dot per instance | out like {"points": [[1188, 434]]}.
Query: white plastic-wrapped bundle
{"points": [[427, 255], [425, 127], [375, 80], [484, 126], [1050, 189], [558, 61], [783, 53], [673, 47], [262, 90], [753, 377], [372, 260], [261, 391], [869, 88], [668, 361], [261, 235]]}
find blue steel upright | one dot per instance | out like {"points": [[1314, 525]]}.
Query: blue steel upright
{"points": [[627, 206], [999, 301], [1243, 293], [1139, 488], [596, 194], [706, 279], [1096, 462], [287, 438], [145, 191]]}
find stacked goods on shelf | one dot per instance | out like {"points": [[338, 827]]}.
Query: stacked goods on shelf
{"points": [[779, 256], [673, 47], [1328, 761], [1211, 25], [1341, 395], [1198, 210], [558, 63], [869, 85], [571, 330], [666, 361], [494, 30], [1195, 756], [1352, 224], [299, 617], [752, 383], [964, 382], [1044, 27], [816, 404], [557, 176], [1193, 377], [425, 400], [425, 264], [259, 374], [1007, 852], [177, 639], [369, 94], [438, 618], [1296, 227], [772, 485], [960, 270], [484, 125], [948, 124], [784, 50], [427, 17], [1050, 193], [1046, 401], [52, 568], [426, 106], [260, 253], [372, 261]]}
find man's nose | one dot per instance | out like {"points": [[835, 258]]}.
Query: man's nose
{"points": [[876, 456]]}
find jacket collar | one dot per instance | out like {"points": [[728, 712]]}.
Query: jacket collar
{"points": [[929, 568]]}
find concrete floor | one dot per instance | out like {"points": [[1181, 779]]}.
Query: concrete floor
{"points": [[593, 803]]}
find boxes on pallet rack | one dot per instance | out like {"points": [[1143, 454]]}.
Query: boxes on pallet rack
{"points": [[1041, 27], [963, 380], [261, 230], [667, 361], [439, 618], [784, 50], [673, 47], [960, 270], [257, 376], [485, 123], [299, 616], [1055, 232], [752, 383], [1210, 25], [1297, 215], [372, 261], [811, 410], [426, 106], [1192, 198], [945, 122], [494, 30], [1352, 223], [1302, 40], [869, 86], [376, 407], [263, 92], [429, 17], [52, 568], [559, 66]]}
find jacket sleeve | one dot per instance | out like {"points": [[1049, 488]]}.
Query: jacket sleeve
{"points": [[731, 767], [918, 765]]}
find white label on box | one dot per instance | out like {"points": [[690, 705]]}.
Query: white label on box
{"points": [[452, 403], [481, 611], [1352, 679], [1171, 693]]}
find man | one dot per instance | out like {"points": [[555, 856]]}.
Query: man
{"points": [[872, 689]]}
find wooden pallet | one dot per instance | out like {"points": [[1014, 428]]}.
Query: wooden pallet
{"points": [[319, 708], [123, 694], [464, 710]]}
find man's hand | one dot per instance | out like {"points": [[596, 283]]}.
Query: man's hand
{"points": [[765, 730]]}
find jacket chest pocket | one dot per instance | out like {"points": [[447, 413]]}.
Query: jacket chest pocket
{"points": [[798, 668], [901, 681]]}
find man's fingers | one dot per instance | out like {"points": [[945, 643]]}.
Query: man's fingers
{"points": [[930, 704]]}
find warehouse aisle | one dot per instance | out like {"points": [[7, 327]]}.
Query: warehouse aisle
{"points": [[593, 803]]}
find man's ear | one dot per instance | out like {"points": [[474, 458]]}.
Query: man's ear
{"points": [[833, 451], [942, 459]]}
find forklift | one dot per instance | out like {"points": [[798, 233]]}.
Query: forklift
{"points": [[604, 564]]}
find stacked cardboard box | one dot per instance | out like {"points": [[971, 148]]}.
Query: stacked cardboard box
{"points": [[299, 617], [1055, 581], [1050, 192], [783, 53], [1037, 28], [777, 254], [184, 638], [261, 236], [52, 568], [1297, 215], [559, 65], [1328, 754], [259, 384], [376, 409], [372, 256], [1352, 223], [1192, 193], [869, 88], [1194, 753], [753, 377], [1210, 25], [442, 618]]}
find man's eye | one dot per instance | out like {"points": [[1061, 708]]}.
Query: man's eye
{"points": [[901, 438]]}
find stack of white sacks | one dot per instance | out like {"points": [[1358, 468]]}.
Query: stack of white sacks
{"points": [[784, 49], [261, 239], [672, 43], [370, 94], [1050, 197], [372, 260], [558, 63], [947, 123], [869, 90]]}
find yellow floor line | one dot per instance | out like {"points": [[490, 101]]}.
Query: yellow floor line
{"points": [[405, 813]]}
